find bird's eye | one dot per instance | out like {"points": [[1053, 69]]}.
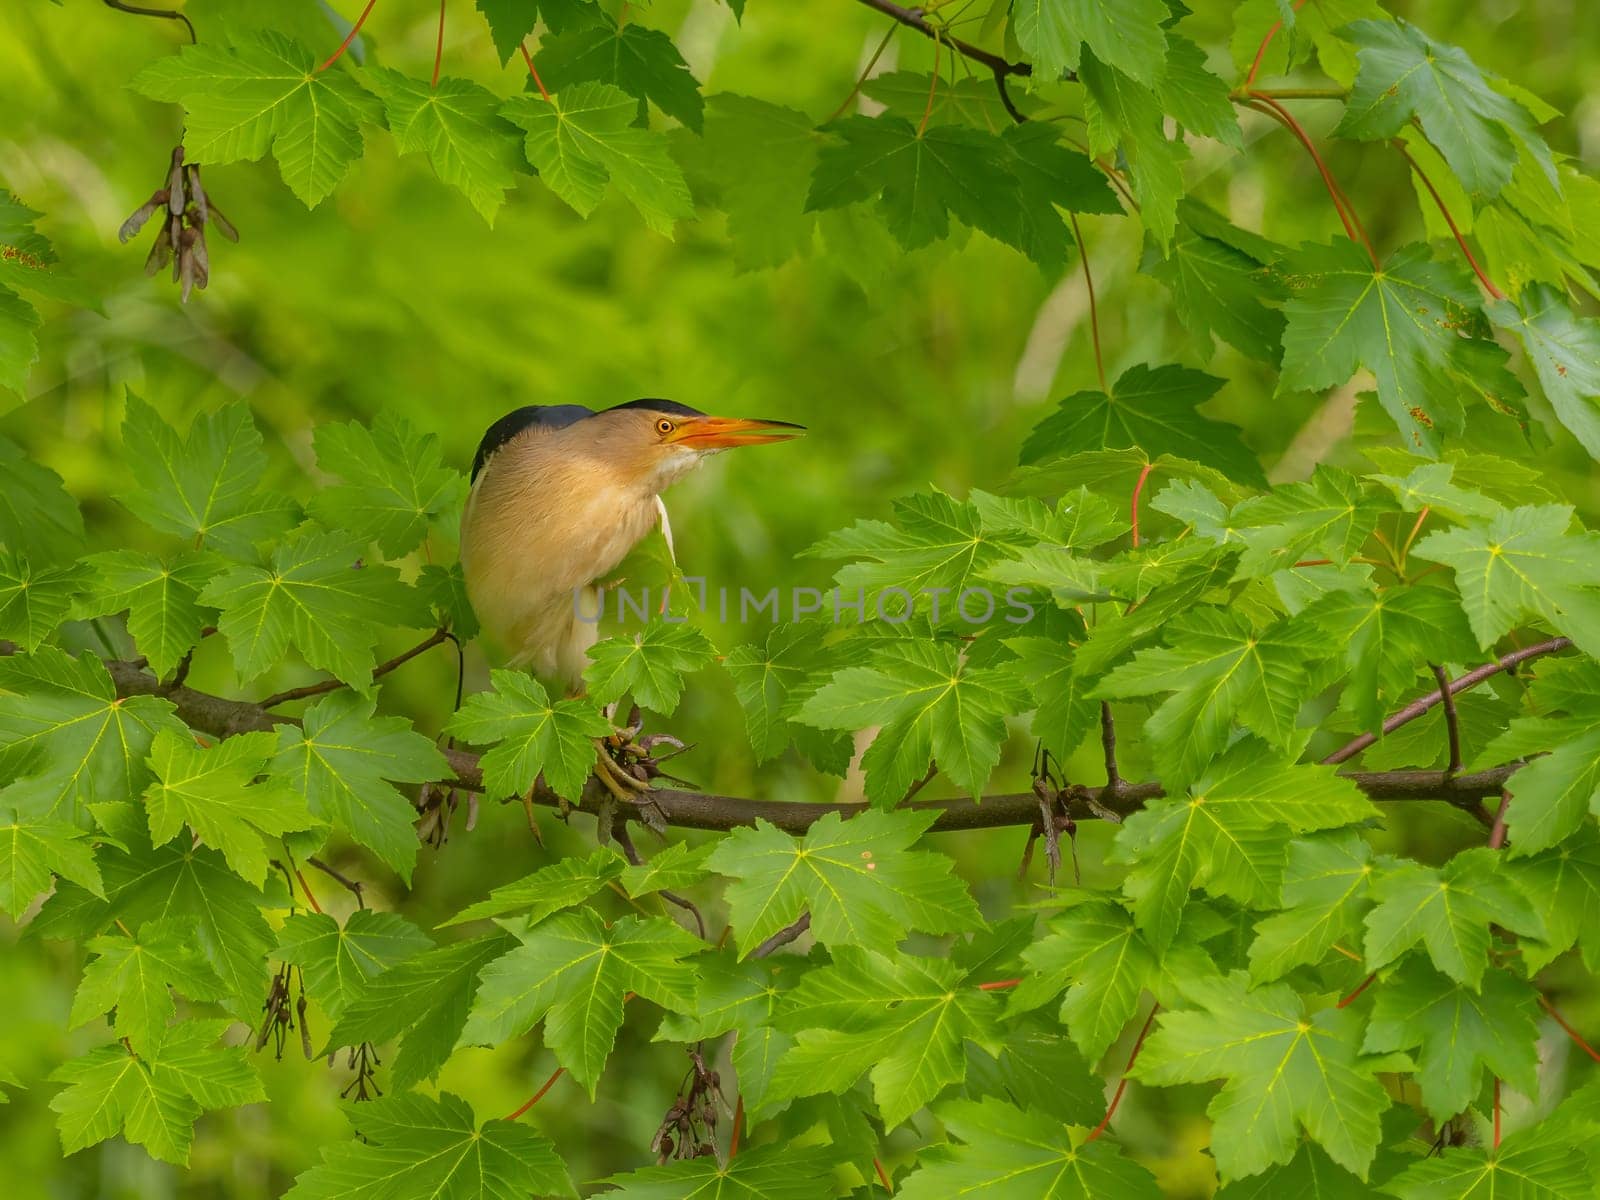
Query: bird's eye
{"points": [[664, 427]]}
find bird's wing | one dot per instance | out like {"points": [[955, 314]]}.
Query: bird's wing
{"points": [[531, 416], [666, 530]]}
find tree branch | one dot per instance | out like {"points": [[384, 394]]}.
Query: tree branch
{"points": [[378, 672], [999, 66], [169, 14]]}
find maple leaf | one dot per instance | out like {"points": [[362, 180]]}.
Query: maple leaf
{"points": [[676, 866], [1565, 352], [642, 62], [1285, 1069], [338, 959], [395, 481], [263, 93], [780, 1172], [1151, 409], [1328, 515], [1563, 885], [1406, 75], [414, 1147], [585, 136], [161, 596], [1533, 1164], [930, 704], [1007, 1153], [37, 516], [859, 879], [766, 678], [766, 200], [1460, 1031], [152, 1098], [345, 761], [1401, 321], [512, 20], [1124, 115], [135, 975], [202, 486], [1127, 35], [743, 997], [1229, 835], [1327, 889], [211, 791], [33, 602], [572, 971], [316, 594], [33, 851], [1524, 563], [1065, 713], [1449, 910], [548, 890], [458, 125], [534, 735], [649, 663]]}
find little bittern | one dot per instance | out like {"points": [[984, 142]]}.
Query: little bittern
{"points": [[560, 494]]}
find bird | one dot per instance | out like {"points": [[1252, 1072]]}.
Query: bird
{"points": [[559, 495]]}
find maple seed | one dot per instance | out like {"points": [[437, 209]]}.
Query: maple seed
{"points": [[181, 237]]}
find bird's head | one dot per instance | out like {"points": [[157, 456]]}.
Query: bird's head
{"points": [[656, 441]]}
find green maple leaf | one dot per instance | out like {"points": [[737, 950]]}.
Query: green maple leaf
{"points": [[1535, 1164], [1219, 669], [1552, 794], [930, 703], [1401, 321], [1219, 276], [937, 544], [1385, 635], [34, 601], [1065, 713], [316, 594], [1123, 115], [1434, 486], [19, 347], [1327, 889], [135, 975], [1449, 910], [766, 679], [1007, 1153], [1096, 959], [585, 136], [1310, 1175], [395, 481], [1524, 563], [1565, 352], [572, 971], [1285, 1068], [859, 879], [780, 1172], [1229, 835], [152, 1098], [1197, 99], [422, 1000], [1460, 1031], [512, 20], [1406, 75], [919, 177], [1152, 409], [1050, 177], [642, 62], [458, 125], [743, 997], [37, 516], [548, 890], [420, 1148], [1326, 516], [903, 1020], [765, 200], [67, 740], [1563, 885], [1127, 34], [210, 791], [161, 596], [345, 762], [676, 866], [264, 93], [649, 663], [203, 485], [33, 851], [338, 959], [534, 735]]}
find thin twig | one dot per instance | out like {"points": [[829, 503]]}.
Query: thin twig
{"points": [[169, 14], [1133, 507], [1497, 834], [1488, 284], [438, 49], [783, 937], [912, 18], [866, 73], [534, 71], [631, 853], [1122, 1084], [1363, 986], [1094, 308], [1452, 723], [355, 886], [537, 1096], [348, 38], [1261, 50], [883, 1176], [738, 1125], [1570, 1031], [1347, 215], [1422, 704], [1108, 741], [378, 672], [933, 85]]}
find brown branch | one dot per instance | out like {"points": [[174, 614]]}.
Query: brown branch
{"points": [[378, 672], [169, 14], [999, 66], [1452, 723], [354, 886], [1422, 704], [631, 853], [1108, 741], [783, 937]]}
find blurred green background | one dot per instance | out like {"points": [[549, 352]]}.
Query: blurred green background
{"points": [[394, 294]]}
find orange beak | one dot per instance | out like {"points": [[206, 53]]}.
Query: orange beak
{"points": [[721, 433]]}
